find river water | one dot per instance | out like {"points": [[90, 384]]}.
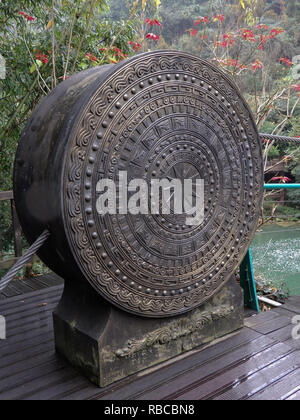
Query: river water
{"points": [[276, 254]]}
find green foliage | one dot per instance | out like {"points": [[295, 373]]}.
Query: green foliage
{"points": [[293, 197], [274, 152], [279, 293], [33, 46]]}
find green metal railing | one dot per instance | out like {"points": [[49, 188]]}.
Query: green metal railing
{"points": [[246, 268], [281, 186]]}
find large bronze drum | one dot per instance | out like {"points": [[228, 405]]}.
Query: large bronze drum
{"points": [[157, 115]]}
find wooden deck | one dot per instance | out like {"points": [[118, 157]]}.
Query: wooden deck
{"points": [[260, 362], [24, 286]]}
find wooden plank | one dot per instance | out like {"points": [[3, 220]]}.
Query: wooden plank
{"points": [[37, 325], [260, 380], [292, 307], [8, 308], [12, 289], [6, 195], [294, 344], [30, 368], [272, 325], [34, 340], [280, 389], [26, 345], [30, 333], [205, 389], [41, 309], [26, 285], [24, 365], [283, 334], [33, 282], [199, 369], [46, 381], [294, 397], [33, 285], [30, 380], [83, 393], [32, 309], [30, 352], [23, 306], [35, 321], [57, 390], [27, 310], [295, 300], [261, 318], [50, 279], [284, 312], [20, 288]]}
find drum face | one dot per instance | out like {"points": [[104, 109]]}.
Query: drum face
{"points": [[163, 115]]}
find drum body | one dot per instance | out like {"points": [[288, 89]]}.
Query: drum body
{"points": [[160, 115]]}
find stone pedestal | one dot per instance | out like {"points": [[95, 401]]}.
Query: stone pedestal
{"points": [[107, 344]]}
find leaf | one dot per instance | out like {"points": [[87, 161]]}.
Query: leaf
{"points": [[134, 6], [112, 59], [39, 63], [50, 24], [157, 3], [33, 68], [144, 4], [83, 66], [243, 4]]}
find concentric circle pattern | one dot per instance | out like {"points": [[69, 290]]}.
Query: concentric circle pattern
{"points": [[163, 115]]}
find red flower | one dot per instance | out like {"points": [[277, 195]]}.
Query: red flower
{"points": [[29, 18], [193, 32], [257, 65], [283, 179], [42, 57], [263, 26], [91, 57], [219, 17], [228, 40], [202, 19], [296, 88], [119, 53], [248, 35], [154, 37], [135, 45], [153, 22], [232, 63], [263, 39], [287, 61], [276, 31]]}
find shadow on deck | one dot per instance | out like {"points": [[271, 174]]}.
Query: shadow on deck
{"points": [[260, 362]]}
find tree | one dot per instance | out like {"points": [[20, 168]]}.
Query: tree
{"points": [[43, 44]]}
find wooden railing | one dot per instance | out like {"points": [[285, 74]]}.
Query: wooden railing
{"points": [[8, 263]]}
